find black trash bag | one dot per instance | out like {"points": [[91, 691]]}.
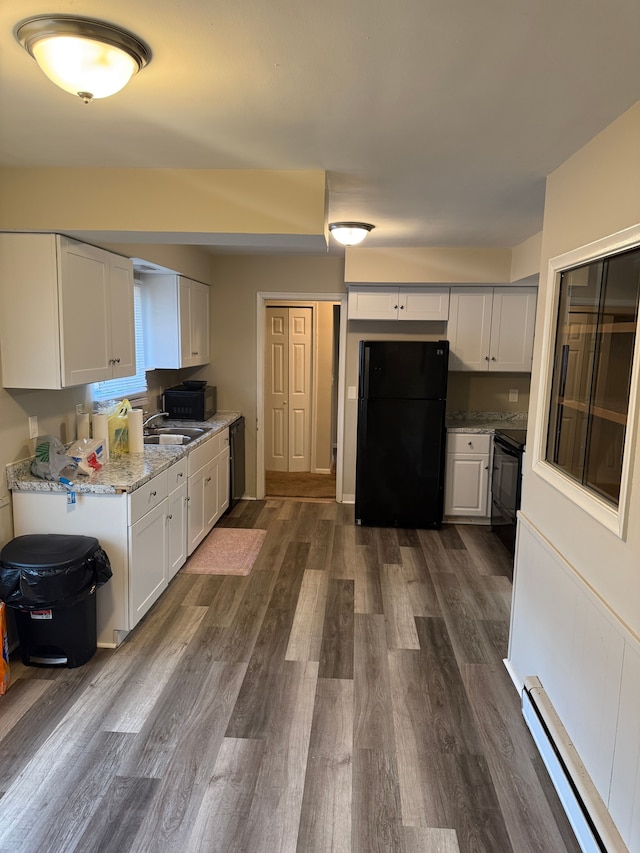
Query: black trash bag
{"points": [[41, 571]]}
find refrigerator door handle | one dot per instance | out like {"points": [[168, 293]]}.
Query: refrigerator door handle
{"points": [[364, 372]]}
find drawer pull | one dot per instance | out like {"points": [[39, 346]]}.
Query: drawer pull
{"points": [[208, 480], [152, 494], [169, 517]]}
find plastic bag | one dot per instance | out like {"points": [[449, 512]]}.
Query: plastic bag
{"points": [[51, 458], [45, 584], [118, 428], [4, 657], [88, 453]]}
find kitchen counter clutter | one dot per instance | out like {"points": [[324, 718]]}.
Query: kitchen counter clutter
{"points": [[125, 473], [148, 510]]}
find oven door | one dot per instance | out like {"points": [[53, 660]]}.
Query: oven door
{"points": [[505, 491]]}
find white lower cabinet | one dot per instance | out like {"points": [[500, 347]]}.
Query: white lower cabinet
{"points": [[142, 533], [467, 481], [208, 487], [147, 561]]}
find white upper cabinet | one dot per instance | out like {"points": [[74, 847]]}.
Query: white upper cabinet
{"points": [[176, 321], [398, 303], [66, 312], [491, 328]]}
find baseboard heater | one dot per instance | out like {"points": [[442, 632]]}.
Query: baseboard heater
{"points": [[587, 813]]}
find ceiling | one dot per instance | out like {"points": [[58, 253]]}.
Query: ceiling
{"points": [[436, 120]]}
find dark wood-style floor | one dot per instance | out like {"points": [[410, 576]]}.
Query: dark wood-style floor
{"points": [[348, 695]]}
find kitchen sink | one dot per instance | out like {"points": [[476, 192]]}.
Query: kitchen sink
{"points": [[191, 432], [172, 435], [168, 439]]}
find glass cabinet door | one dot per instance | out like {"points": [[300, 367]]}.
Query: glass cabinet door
{"points": [[595, 339]]}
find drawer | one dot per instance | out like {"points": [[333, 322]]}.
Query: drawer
{"points": [[199, 456], [147, 497], [177, 475], [469, 442]]}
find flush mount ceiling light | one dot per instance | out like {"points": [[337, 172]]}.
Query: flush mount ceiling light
{"points": [[88, 58], [350, 233]]}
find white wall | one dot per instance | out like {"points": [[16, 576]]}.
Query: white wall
{"points": [[594, 194], [576, 612]]}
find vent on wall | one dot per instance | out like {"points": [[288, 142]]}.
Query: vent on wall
{"points": [[588, 815]]}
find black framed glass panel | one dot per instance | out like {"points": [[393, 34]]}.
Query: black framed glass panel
{"points": [[593, 359]]}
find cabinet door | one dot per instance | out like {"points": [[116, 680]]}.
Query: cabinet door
{"points": [[199, 321], [211, 478], [373, 303], [85, 314], [147, 561], [195, 526], [423, 303], [223, 482], [185, 323], [512, 327], [194, 322], [176, 530], [469, 327], [467, 485], [123, 343]]}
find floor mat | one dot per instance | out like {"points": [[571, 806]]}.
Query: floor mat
{"points": [[226, 551]]}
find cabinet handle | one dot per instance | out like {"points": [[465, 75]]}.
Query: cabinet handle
{"points": [[486, 358], [493, 358], [152, 494], [486, 467], [208, 480], [395, 307], [470, 443], [194, 353], [181, 474], [402, 307], [169, 517], [117, 360]]}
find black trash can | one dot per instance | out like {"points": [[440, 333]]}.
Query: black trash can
{"points": [[49, 580]]}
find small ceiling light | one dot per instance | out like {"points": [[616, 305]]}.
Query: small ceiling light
{"points": [[350, 233], [88, 58]]}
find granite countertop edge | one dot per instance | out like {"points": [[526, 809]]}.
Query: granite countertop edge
{"points": [[485, 422], [126, 473]]}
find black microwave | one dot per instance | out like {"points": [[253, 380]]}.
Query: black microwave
{"points": [[191, 401]]}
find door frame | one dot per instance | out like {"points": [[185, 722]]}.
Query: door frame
{"points": [[262, 298]]}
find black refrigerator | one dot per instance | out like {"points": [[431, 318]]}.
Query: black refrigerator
{"points": [[402, 389]]}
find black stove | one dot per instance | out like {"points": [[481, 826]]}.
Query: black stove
{"points": [[508, 449], [516, 437]]}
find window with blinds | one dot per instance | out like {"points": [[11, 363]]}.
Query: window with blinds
{"points": [[128, 386]]}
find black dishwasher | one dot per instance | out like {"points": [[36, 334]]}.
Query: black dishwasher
{"points": [[236, 461]]}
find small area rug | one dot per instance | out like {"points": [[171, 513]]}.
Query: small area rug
{"points": [[226, 551], [293, 484]]}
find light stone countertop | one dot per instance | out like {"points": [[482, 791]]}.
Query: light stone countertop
{"points": [[125, 473], [484, 422]]}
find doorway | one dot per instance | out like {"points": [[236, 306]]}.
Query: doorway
{"points": [[301, 340]]}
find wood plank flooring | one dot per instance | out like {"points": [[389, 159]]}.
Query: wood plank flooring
{"points": [[348, 695]]}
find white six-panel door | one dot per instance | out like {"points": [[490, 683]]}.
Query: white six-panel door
{"points": [[288, 379]]}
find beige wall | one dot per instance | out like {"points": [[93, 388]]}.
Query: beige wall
{"points": [[436, 265], [487, 392], [164, 201], [237, 280], [594, 194]]}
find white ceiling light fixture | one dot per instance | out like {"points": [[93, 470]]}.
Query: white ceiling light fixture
{"points": [[350, 233], [88, 58]]}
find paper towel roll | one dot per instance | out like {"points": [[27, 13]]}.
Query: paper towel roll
{"points": [[82, 425], [134, 423], [101, 430]]}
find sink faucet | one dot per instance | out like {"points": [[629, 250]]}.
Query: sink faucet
{"points": [[153, 417]]}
